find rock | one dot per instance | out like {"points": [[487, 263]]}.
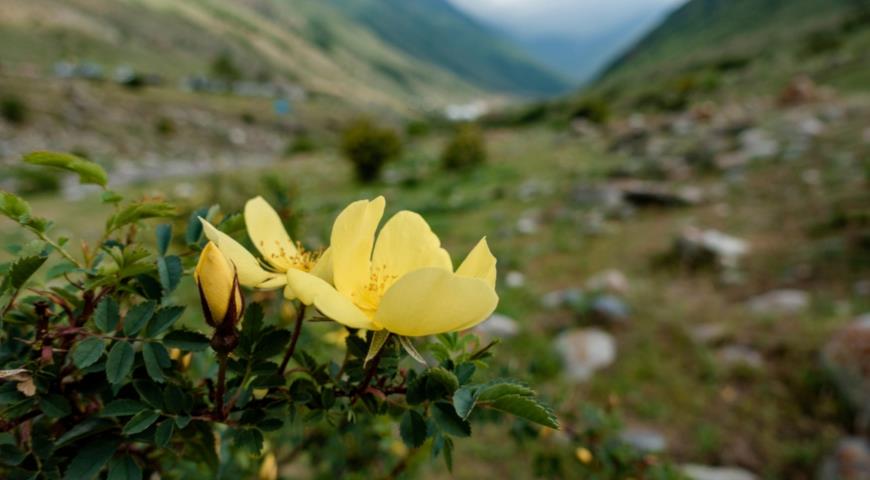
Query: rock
{"points": [[756, 143], [849, 461], [514, 279], [609, 280], [644, 439], [527, 225], [801, 89], [779, 302], [608, 199], [697, 247], [847, 356], [562, 298], [645, 194], [498, 325], [740, 356], [703, 472], [708, 333], [584, 351], [609, 309]]}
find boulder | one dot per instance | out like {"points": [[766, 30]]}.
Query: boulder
{"points": [[698, 247], [584, 351], [779, 302]]}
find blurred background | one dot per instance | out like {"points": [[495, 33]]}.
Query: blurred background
{"points": [[677, 191]]}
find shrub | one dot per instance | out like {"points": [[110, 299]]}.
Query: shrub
{"points": [[301, 143], [594, 109], [369, 147], [467, 149], [164, 126], [13, 110]]}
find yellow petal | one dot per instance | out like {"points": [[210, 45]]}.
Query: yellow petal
{"points": [[353, 235], [406, 243], [432, 300], [249, 270], [268, 234], [480, 263], [312, 290], [323, 267], [215, 277]]}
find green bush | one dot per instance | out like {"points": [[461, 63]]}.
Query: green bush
{"points": [[467, 149], [369, 147], [594, 109], [301, 143], [13, 110]]}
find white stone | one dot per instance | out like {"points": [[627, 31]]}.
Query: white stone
{"points": [[584, 351], [780, 302], [703, 472], [498, 325], [515, 279], [611, 280]]}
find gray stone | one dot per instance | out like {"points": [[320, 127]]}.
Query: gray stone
{"points": [[698, 247], [703, 472], [515, 279], [644, 439], [756, 143], [562, 298], [609, 280], [610, 309], [708, 333], [498, 325], [849, 461], [584, 351], [847, 356], [740, 356], [779, 302]]}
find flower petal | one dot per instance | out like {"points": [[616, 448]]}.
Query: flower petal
{"points": [[312, 290], [214, 274], [433, 300], [406, 243], [353, 235], [249, 270], [480, 263], [323, 267], [268, 234]]}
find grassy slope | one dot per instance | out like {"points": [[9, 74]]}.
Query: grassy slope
{"points": [[436, 31]]}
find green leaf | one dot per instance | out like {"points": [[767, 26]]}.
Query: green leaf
{"points": [[61, 268], [138, 316], [526, 407], [163, 319], [109, 196], [379, 338], [55, 406], [272, 342], [163, 434], [413, 429], [169, 269], [14, 207], [164, 237], [90, 426], [150, 392], [23, 268], [88, 351], [249, 439], [91, 458], [194, 226], [186, 340], [88, 172], [411, 350], [124, 468], [140, 211], [140, 422], [433, 384], [120, 362], [449, 422], [107, 314], [122, 407], [464, 401], [153, 354]]}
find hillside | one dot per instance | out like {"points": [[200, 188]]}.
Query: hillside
{"points": [[314, 44], [439, 33]]}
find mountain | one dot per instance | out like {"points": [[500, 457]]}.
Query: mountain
{"points": [[331, 49], [441, 34]]}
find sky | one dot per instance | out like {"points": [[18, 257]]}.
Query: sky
{"points": [[567, 18]]}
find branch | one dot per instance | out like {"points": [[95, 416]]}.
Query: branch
{"points": [[296, 331]]}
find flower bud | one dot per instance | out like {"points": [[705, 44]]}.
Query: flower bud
{"points": [[269, 468], [218, 288]]}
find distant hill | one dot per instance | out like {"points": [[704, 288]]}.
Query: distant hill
{"points": [[441, 34]]}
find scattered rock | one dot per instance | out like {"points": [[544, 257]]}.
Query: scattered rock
{"points": [[562, 298], [708, 333], [740, 356], [756, 143], [609, 309], [847, 356], [703, 472], [498, 325], [645, 194], [849, 461], [607, 198], [644, 439], [609, 280], [801, 89], [779, 302], [584, 351], [514, 279], [697, 248], [527, 225]]}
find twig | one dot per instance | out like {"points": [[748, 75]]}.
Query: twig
{"points": [[221, 385], [297, 329]]}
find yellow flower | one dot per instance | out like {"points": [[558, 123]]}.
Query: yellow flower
{"points": [[583, 455], [279, 253], [269, 468], [404, 282], [218, 286]]}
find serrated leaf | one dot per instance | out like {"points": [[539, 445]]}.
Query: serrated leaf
{"points": [[186, 340], [55, 406], [124, 468], [494, 391], [413, 429], [249, 439], [169, 270], [163, 434], [88, 351], [23, 268], [119, 362], [107, 314], [379, 338], [88, 172], [140, 211], [271, 343], [91, 458], [87, 427], [449, 422], [526, 407], [14, 207], [150, 392], [164, 237], [194, 226], [122, 407], [138, 316], [140, 422], [434, 384], [61, 268], [151, 353], [163, 319]]}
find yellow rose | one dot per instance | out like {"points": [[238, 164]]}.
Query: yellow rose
{"points": [[218, 287], [403, 282]]}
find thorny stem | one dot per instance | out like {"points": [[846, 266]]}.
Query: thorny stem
{"points": [[57, 247], [368, 379], [221, 386], [297, 329]]}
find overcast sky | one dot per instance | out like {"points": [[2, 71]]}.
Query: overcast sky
{"points": [[569, 18]]}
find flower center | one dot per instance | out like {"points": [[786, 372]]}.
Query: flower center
{"points": [[302, 259], [368, 296]]}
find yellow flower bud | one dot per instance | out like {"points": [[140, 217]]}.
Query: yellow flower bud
{"points": [[218, 286], [269, 468], [583, 455]]}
